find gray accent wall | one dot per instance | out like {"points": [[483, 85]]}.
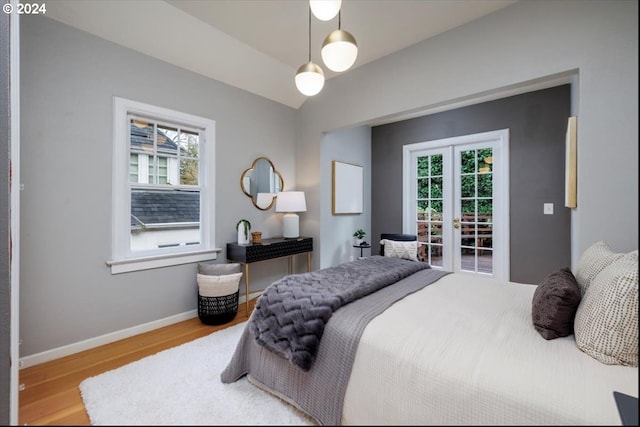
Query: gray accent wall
{"points": [[537, 123]]}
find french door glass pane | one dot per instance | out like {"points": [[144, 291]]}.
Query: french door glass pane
{"points": [[476, 210], [429, 207]]}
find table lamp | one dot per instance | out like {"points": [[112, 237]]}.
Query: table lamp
{"points": [[291, 202]]}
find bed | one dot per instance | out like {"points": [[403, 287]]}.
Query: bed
{"points": [[445, 348]]}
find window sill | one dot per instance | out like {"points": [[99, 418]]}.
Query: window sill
{"points": [[146, 263]]}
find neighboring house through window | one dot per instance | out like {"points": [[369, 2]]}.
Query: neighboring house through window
{"points": [[163, 180]]}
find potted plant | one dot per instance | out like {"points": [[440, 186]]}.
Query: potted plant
{"points": [[243, 227], [359, 236]]}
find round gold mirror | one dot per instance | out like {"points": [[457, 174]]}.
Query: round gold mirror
{"points": [[262, 182]]}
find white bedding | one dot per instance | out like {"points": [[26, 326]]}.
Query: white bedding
{"points": [[472, 356]]}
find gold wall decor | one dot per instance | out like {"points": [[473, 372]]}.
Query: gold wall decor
{"points": [[262, 182], [571, 165]]}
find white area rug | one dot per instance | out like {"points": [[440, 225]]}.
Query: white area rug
{"points": [[181, 386]]}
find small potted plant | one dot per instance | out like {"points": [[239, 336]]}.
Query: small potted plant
{"points": [[243, 227], [359, 236]]}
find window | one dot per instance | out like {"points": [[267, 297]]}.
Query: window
{"points": [[163, 187]]}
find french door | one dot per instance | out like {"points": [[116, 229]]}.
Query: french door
{"points": [[456, 202]]}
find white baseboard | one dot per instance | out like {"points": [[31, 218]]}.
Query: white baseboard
{"points": [[90, 343], [57, 353]]}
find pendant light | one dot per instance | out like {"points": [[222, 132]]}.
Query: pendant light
{"points": [[325, 10], [309, 77], [339, 49]]}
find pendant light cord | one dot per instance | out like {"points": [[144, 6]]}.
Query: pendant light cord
{"points": [[339, 18], [309, 33]]}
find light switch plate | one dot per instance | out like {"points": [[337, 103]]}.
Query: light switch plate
{"points": [[548, 208]]}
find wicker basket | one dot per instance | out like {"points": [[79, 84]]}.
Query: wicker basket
{"points": [[218, 297], [217, 310]]}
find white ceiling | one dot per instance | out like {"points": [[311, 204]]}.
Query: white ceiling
{"points": [[257, 45]]}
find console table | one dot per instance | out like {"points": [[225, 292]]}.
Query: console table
{"points": [[269, 249]]}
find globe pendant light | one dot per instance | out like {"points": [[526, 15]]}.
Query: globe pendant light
{"points": [[309, 77], [339, 50], [325, 10]]}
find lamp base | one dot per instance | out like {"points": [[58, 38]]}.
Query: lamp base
{"points": [[291, 225]]}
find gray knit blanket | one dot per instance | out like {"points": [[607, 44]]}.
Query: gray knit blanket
{"points": [[290, 316], [320, 391]]}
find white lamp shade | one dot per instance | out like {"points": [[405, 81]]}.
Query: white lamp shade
{"points": [[325, 10], [309, 79], [339, 50], [291, 201]]}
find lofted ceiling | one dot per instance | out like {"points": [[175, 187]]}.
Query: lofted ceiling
{"points": [[257, 45]]}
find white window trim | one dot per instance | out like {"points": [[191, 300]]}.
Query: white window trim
{"points": [[122, 260]]}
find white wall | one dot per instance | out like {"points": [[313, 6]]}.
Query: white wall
{"points": [[522, 44]]}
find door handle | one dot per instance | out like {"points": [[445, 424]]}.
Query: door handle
{"points": [[456, 222]]}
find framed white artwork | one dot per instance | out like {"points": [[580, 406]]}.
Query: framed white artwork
{"points": [[347, 192]]}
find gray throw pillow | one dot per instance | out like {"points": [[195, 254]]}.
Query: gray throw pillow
{"points": [[554, 305], [219, 269]]}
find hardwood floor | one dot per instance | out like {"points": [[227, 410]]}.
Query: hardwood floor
{"points": [[51, 395]]}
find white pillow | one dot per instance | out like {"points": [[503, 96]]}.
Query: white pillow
{"points": [[606, 323], [218, 286], [397, 249], [592, 261]]}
